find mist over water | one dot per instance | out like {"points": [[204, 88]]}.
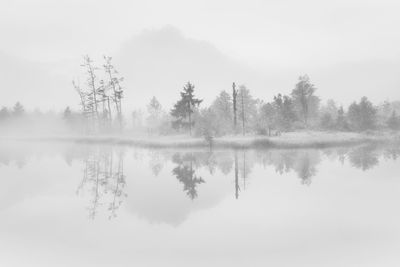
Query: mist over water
{"points": [[102, 205], [199, 133]]}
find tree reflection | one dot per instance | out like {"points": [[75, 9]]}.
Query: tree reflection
{"points": [[156, 162], [306, 166], [224, 161], [284, 161], [302, 162], [104, 180], [117, 185], [237, 186], [185, 174], [392, 153], [364, 158], [243, 170], [211, 162], [18, 156]]}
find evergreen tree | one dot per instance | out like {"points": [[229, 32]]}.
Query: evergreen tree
{"points": [[18, 110], [184, 108], [186, 174], [67, 115]]}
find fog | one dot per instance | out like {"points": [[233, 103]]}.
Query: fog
{"points": [[199, 133], [116, 205], [348, 48]]}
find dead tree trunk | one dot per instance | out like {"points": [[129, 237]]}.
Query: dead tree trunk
{"points": [[234, 99], [83, 105], [109, 112], [92, 84], [190, 120], [114, 83], [243, 117]]}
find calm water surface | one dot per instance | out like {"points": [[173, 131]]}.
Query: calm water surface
{"points": [[92, 205]]}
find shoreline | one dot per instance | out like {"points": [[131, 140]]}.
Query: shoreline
{"points": [[294, 140]]}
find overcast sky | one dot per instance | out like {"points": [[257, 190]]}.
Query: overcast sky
{"points": [[281, 38]]}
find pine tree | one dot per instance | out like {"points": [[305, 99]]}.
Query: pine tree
{"points": [[184, 108], [18, 110], [67, 113], [68, 116]]}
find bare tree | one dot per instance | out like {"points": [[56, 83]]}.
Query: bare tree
{"points": [[83, 104], [97, 97], [234, 100], [243, 118], [93, 87], [114, 82], [104, 180]]}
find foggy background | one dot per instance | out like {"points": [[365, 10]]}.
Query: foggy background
{"points": [[348, 48]]}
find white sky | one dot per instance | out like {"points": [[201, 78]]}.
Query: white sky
{"points": [[283, 33]]}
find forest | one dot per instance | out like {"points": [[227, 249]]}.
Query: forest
{"points": [[233, 112]]}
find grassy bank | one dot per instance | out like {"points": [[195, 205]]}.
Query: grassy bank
{"points": [[307, 139]]}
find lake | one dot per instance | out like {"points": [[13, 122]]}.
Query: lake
{"points": [[64, 204]]}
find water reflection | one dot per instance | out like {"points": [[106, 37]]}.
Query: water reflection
{"points": [[156, 162], [364, 158], [103, 181], [185, 173], [391, 153]]}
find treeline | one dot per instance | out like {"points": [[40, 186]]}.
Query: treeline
{"points": [[233, 112], [17, 111], [16, 120], [238, 112]]}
